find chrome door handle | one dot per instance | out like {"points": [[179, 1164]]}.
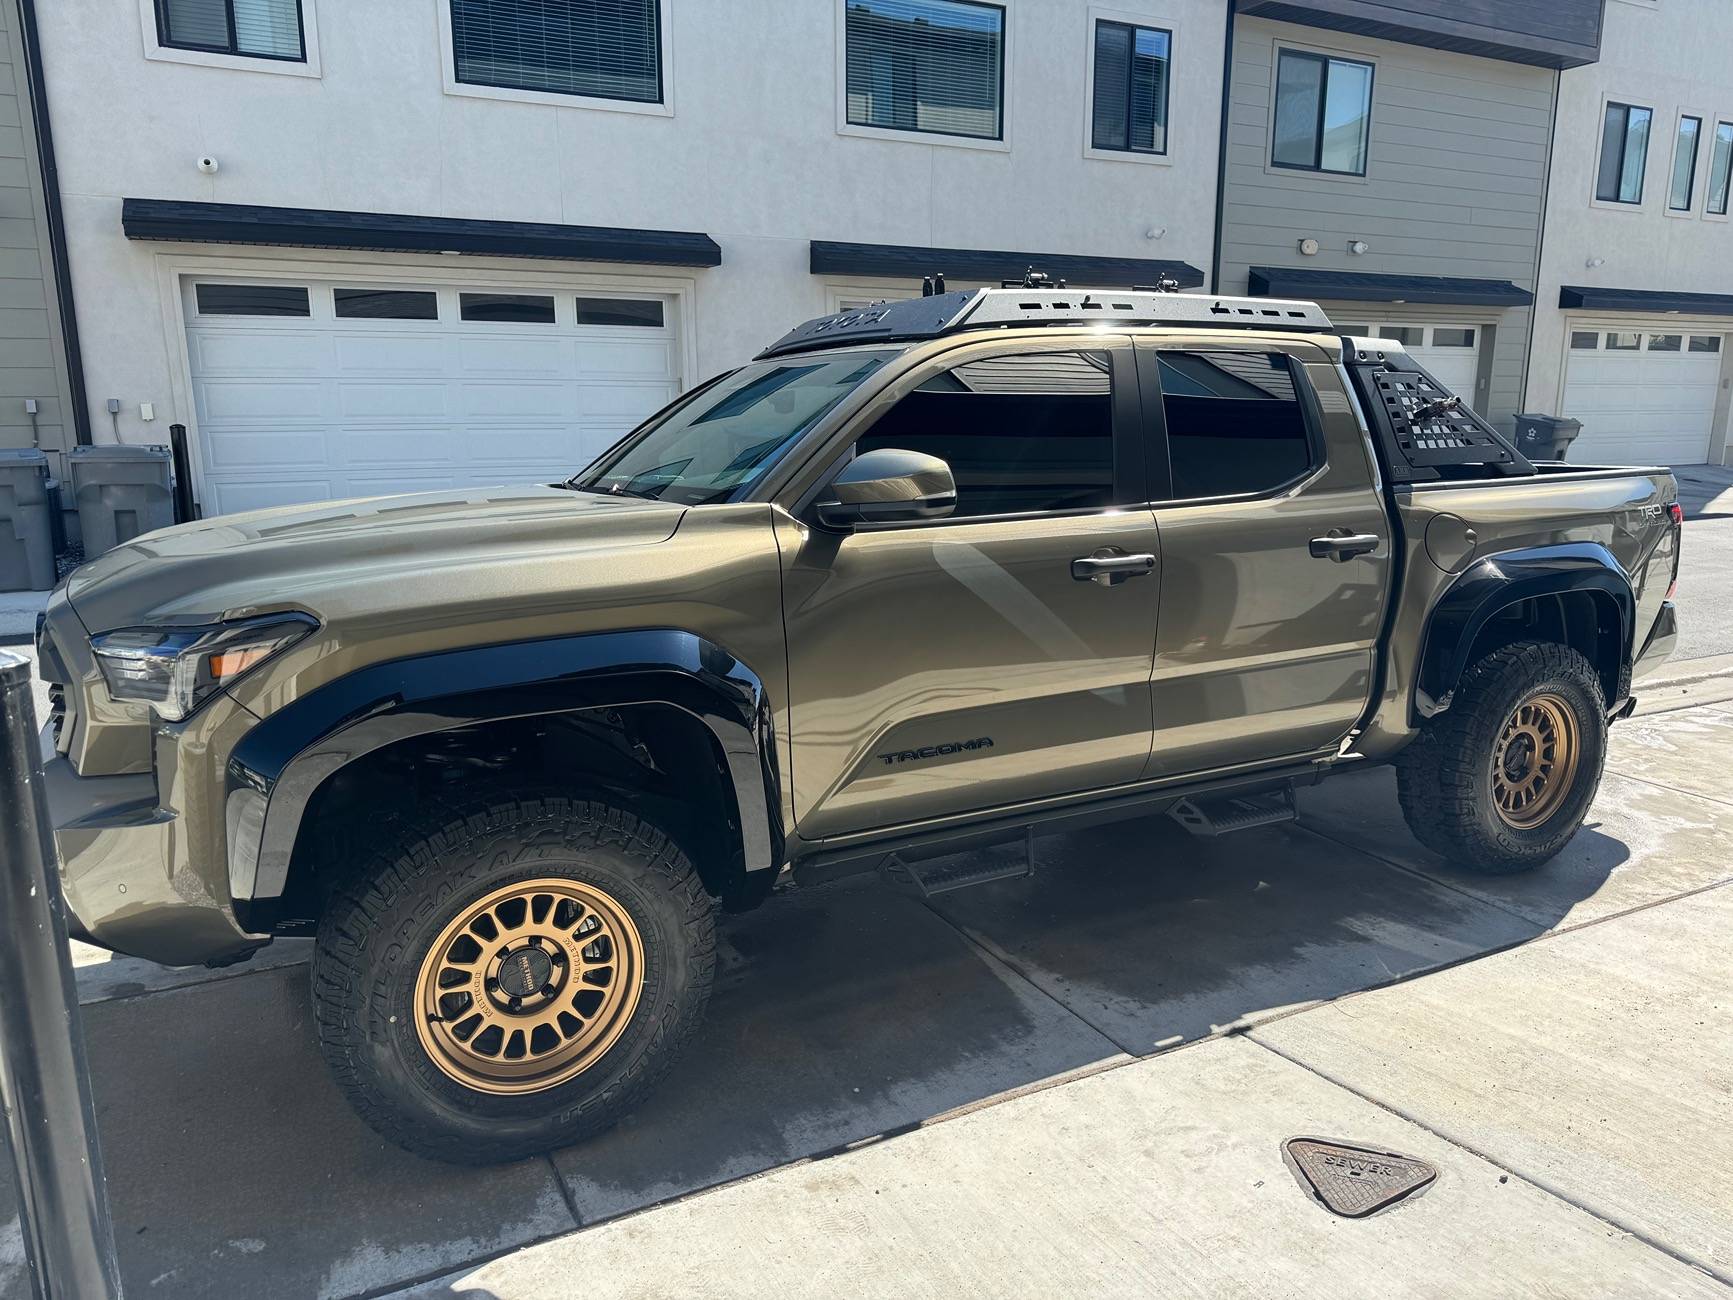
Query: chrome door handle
{"points": [[1344, 546], [1110, 570]]}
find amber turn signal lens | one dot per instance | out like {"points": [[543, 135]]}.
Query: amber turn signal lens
{"points": [[232, 663]]}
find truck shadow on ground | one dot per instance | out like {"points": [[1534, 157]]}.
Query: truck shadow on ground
{"points": [[840, 1015]]}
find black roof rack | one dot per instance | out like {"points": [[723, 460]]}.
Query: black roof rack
{"points": [[912, 319]]}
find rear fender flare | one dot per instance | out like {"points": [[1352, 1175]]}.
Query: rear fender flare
{"points": [[1499, 581], [274, 772]]}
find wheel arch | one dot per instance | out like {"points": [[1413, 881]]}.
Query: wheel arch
{"points": [[631, 693], [1574, 593]]}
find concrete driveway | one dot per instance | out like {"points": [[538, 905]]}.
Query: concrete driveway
{"points": [[1076, 1083], [1706, 562]]}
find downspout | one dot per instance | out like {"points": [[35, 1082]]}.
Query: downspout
{"points": [[56, 220], [1540, 250], [1215, 266]]}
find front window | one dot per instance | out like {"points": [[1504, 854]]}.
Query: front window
{"points": [[1624, 154], [600, 49], [720, 441], [1323, 113], [1129, 112], [935, 66], [260, 29], [1720, 168]]}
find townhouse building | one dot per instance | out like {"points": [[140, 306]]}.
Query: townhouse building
{"points": [[1634, 319], [412, 244]]}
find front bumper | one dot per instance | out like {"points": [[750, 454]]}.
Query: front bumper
{"points": [[118, 870]]}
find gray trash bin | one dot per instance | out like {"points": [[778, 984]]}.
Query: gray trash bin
{"points": [[26, 532], [1546, 437], [119, 492]]}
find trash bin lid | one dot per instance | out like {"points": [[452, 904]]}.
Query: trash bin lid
{"points": [[119, 451], [23, 456]]}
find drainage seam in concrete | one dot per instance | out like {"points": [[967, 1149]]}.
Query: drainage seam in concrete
{"points": [[1540, 1184]]}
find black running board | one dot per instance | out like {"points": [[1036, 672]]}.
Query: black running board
{"points": [[1210, 815]]}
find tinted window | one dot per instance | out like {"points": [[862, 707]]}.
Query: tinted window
{"points": [[925, 65], [520, 308], [1720, 167], [1130, 108], [1451, 337], [1705, 343], [1323, 113], [252, 300], [642, 312], [608, 49], [1409, 336], [1234, 422], [1020, 433], [1585, 339], [264, 29], [1684, 164], [1624, 153], [386, 304]]}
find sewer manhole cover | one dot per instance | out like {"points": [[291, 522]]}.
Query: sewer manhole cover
{"points": [[1355, 1181]]}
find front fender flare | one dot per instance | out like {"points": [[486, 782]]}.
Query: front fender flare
{"points": [[1499, 581], [274, 772]]}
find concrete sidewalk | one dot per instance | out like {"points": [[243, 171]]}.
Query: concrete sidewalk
{"points": [[1076, 1083]]}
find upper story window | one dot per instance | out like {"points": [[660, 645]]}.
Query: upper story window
{"points": [[259, 29], [935, 66], [601, 49], [1129, 111], [1624, 153], [1323, 113], [1720, 168], [1681, 189]]}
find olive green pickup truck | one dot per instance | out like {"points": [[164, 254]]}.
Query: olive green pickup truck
{"points": [[918, 578]]}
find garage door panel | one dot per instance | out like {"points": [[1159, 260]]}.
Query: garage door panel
{"points": [[250, 354], [297, 410], [397, 401], [388, 355], [1641, 405]]}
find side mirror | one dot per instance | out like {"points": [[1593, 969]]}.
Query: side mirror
{"points": [[889, 485]]}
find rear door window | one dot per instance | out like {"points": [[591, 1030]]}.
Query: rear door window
{"points": [[1235, 424]]}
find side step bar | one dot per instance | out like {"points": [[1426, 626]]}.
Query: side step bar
{"points": [[1008, 860], [1210, 815]]}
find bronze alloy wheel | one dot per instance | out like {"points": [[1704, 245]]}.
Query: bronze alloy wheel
{"points": [[529, 986], [1535, 761]]}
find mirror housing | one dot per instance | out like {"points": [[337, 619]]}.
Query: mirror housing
{"points": [[889, 485]]}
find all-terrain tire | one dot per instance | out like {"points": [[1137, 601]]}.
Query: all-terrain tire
{"points": [[381, 922], [1445, 778]]}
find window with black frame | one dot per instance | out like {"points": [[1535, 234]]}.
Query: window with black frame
{"points": [[1128, 111], [1323, 120], [1624, 153], [599, 49], [1031, 432], [933, 66], [1234, 422], [256, 29]]}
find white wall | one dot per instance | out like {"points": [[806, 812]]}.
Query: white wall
{"points": [[750, 154], [1670, 56]]}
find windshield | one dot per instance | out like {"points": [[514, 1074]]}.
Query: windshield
{"points": [[721, 441]]}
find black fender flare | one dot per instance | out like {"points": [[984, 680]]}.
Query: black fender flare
{"points": [[1495, 583], [274, 771]]}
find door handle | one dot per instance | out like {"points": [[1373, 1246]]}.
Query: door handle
{"points": [[1343, 546], [1110, 570]]}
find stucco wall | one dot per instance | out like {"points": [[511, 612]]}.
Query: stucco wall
{"points": [[750, 154]]}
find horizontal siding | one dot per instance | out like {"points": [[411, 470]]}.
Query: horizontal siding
{"points": [[1455, 183]]}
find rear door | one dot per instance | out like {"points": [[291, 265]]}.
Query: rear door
{"points": [[957, 665], [1276, 552]]}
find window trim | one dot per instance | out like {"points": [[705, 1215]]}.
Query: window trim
{"points": [[1150, 22], [475, 90], [1718, 120], [1620, 205], [996, 144], [1159, 456], [1325, 56], [308, 65], [1695, 190]]}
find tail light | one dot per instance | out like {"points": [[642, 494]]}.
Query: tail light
{"points": [[1676, 513]]}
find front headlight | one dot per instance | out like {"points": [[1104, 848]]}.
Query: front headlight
{"points": [[176, 669]]}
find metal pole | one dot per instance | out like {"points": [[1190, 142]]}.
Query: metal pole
{"points": [[44, 1082]]}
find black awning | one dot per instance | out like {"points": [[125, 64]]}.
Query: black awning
{"points": [[911, 262], [237, 223], [1650, 301], [1364, 286]]}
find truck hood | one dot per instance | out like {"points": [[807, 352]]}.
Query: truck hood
{"points": [[305, 556]]}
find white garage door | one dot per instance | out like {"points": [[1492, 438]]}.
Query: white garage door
{"points": [[1645, 397], [306, 391], [1449, 353]]}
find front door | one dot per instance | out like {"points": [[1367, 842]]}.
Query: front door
{"points": [[957, 665], [1276, 553]]}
